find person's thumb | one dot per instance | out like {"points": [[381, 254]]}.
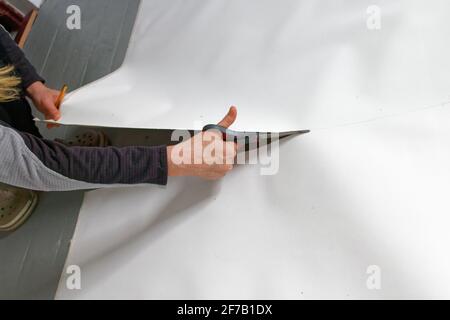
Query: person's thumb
{"points": [[229, 118]]}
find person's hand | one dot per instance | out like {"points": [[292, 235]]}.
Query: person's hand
{"points": [[203, 164], [45, 101]]}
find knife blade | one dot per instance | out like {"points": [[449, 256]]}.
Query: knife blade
{"points": [[249, 136]]}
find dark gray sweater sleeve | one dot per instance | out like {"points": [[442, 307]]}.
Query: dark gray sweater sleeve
{"points": [[15, 56], [38, 164]]}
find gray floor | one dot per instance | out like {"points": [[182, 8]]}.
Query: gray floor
{"points": [[32, 258]]}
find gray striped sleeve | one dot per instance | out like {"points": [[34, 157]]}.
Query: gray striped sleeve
{"points": [[54, 167]]}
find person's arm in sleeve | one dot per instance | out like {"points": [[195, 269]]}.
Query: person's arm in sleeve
{"points": [[33, 85], [16, 57], [38, 164]]}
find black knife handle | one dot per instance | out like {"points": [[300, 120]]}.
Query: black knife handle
{"points": [[227, 134]]}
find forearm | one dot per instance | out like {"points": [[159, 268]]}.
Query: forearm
{"points": [[38, 164], [15, 56]]}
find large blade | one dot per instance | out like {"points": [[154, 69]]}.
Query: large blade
{"points": [[252, 140], [232, 135], [286, 134]]}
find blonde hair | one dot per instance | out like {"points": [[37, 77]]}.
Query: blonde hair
{"points": [[9, 84]]}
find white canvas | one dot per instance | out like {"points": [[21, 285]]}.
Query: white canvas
{"points": [[302, 64], [367, 188]]}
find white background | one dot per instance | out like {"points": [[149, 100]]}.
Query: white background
{"points": [[368, 186]]}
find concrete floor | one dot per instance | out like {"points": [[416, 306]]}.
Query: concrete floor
{"points": [[32, 258]]}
